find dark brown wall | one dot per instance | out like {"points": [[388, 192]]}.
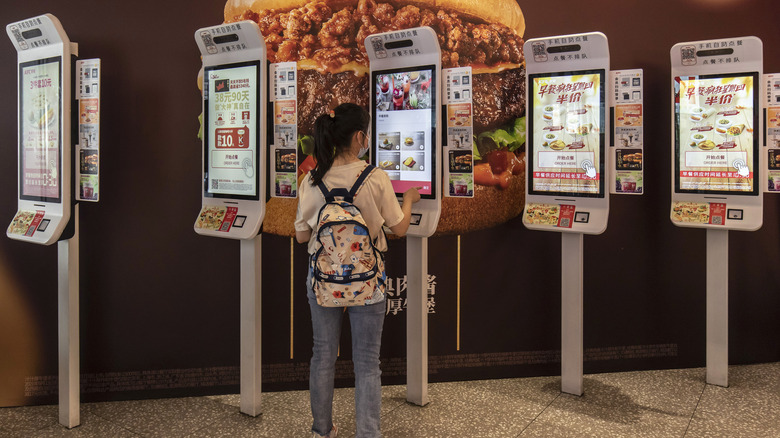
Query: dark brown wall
{"points": [[156, 296]]}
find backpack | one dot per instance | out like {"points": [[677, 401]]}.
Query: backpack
{"points": [[347, 269]]}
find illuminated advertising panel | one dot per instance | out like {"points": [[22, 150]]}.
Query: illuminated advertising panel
{"points": [[404, 127], [716, 150], [566, 126], [40, 121], [232, 125]]}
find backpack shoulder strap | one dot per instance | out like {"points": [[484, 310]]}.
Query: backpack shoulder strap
{"points": [[347, 195], [363, 175]]}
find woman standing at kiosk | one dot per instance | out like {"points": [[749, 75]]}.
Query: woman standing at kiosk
{"points": [[340, 139]]}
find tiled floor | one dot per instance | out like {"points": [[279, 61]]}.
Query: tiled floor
{"points": [[668, 403]]}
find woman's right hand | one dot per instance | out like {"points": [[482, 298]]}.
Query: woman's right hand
{"points": [[412, 195]]}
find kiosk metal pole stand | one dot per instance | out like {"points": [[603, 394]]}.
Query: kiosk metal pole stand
{"points": [[251, 383], [417, 320], [718, 307], [571, 313], [68, 322]]}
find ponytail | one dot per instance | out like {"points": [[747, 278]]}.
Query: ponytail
{"points": [[333, 135]]}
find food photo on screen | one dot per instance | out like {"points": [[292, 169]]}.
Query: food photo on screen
{"points": [[404, 91], [326, 40]]}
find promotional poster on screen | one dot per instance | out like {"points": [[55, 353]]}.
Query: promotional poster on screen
{"points": [[404, 128], [459, 166], [284, 146], [628, 131], [39, 127], [88, 95], [231, 162], [715, 144], [772, 134], [567, 128]]}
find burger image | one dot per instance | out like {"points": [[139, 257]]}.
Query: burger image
{"points": [[326, 40], [409, 141]]}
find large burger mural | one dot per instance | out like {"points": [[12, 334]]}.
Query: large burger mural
{"points": [[325, 39]]}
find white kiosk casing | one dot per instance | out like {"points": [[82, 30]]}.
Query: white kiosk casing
{"points": [[234, 130], [407, 126], [716, 159], [567, 164], [44, 100]]}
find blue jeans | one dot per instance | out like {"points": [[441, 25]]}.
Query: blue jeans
{"points": [[366, 323]]}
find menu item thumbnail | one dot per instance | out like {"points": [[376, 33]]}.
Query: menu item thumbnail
{"points": [[414, 161], [389, 160], [461, 161], [389, 140], [414, 140], [285, 160], [629, 159], [88, 161]]}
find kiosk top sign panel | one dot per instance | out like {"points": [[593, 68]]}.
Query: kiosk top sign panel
{"points": [[36, 32]]}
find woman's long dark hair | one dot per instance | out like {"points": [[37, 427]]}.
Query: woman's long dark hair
{"points": [[333, 135]]}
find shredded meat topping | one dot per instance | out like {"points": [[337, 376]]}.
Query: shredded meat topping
{"points": [[314, 31]]}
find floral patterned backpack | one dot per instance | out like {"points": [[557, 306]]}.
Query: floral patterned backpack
{"points": [[347, 269]]}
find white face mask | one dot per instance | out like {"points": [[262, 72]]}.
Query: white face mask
{"points": [[364, 150]]}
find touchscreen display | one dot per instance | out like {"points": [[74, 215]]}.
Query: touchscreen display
{"points": [[231, 120], [404, 127], [567, 134], [716, 150], [40, 119]]}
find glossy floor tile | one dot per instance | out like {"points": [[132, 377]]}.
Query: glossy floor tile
{"points": [[665, 403]]}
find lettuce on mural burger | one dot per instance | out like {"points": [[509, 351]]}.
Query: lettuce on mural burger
{"points": [[325, 38]]}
